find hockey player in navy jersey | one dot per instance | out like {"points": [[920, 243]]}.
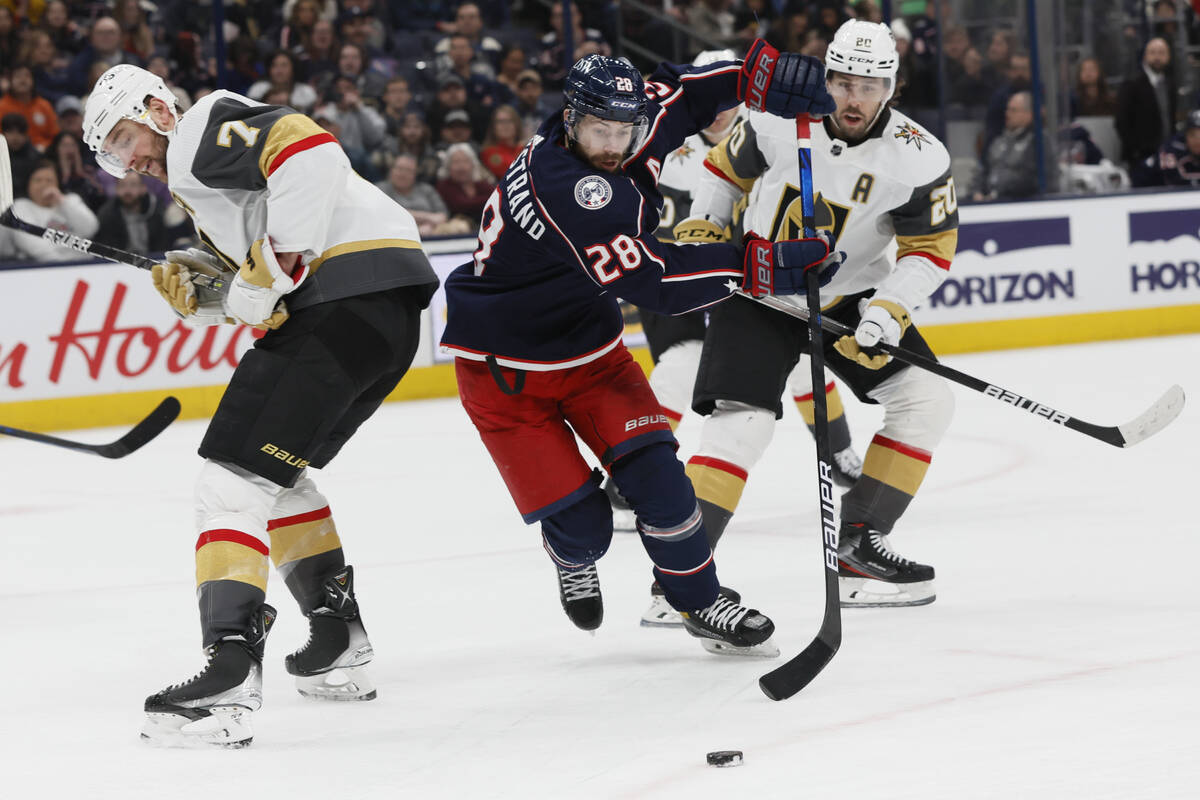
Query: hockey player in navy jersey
{"points": [[334, 271], [536, 329]]}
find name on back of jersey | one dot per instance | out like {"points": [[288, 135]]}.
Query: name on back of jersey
{"points": [[520, 200]]}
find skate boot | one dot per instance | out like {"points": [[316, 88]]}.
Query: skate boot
{"points": [[729, 628], [871, 575], [214, 707], [624, 520], [847, 467], [579, 591], [331, 665], [661, 615]]}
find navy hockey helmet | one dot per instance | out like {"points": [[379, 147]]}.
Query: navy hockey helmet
{"points": [[607, 88]]}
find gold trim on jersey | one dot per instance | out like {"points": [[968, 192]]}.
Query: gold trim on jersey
{"points": [[942, 244], [286, 131], [357, 247], [718, 161]]}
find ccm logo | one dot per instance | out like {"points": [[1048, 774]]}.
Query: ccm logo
{"points": [[762, 75], [283, 455], [654, 419]]}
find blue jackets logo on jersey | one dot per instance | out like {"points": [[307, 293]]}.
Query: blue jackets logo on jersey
{"points": [[593, 192]]}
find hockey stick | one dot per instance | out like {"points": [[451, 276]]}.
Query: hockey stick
{"points": [[1158, 416], [144, 431], [9, 219], [789, 678]]}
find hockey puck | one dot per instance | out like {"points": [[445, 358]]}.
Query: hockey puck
{"points": [[725, 758]]}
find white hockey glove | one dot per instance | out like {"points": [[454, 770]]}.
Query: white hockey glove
{"points": [[254, 296], [882, 320], [195, 304]]}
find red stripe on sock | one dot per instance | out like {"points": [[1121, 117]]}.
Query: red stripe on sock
{"points": [[716, 463], [903, 449], [307, 516], [228, 535]]}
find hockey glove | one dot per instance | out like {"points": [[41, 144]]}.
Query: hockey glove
{"points": [[698, 230], [881, 321], [784, 84], [779, 267], [194, 304], [254, 296]]}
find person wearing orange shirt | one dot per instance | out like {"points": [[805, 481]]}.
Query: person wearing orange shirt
{"points": [[21, 99]]}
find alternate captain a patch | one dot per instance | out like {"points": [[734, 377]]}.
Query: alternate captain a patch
{"points": [[911, 134], [593, 192]]}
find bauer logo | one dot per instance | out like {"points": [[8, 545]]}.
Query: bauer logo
{"points": [[593, 192], [1164, 246], [1013, 262], [641, 422]]}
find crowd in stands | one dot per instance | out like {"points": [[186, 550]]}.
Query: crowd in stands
{"points": [[433, 100]]}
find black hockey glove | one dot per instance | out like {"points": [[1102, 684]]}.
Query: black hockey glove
{"points": [[784, 84], [779, 267]]}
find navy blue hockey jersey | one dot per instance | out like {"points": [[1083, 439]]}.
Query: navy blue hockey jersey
{"points": [[559, 241]]}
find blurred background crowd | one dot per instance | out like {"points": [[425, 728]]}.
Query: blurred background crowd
{"points": [[432, 100]]}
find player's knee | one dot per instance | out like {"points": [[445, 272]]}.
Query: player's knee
{"points": [[580, 533], [737, 433], [674, 375], [301, 498], [918, 408], [230, 497], [654, 484]]}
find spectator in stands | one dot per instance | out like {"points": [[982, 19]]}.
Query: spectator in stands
{"points": [[49, 67], [587, 41], [162, 68], [789, 31], [464, 184], [969, 87], [1075, 146], [1178, 161], [64, 32], [397, 101], [47, 205], [1010, 170], [712, 22], [481, 89], [326, 9], [360, 127], [70, 120], [1145, 114], [468, 22], [513, 62], [830, 16], [104, 46], [281, 75], [1019, 79], [415, 140], [297, 25], [503, 141], [456, 129], [22, 99], [531, 103], [1001, 46], [319, 55], [452, 96], [352, 63], [752, 19], [22, 155], [418, 197], [75, 174], [360, 27], [10, 38], [1091, 97], [137, 38], [134, 219]]}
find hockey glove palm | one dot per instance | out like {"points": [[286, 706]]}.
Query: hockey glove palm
{"points": [[255, 295], [881, 321], [784, 84], [779, 267]]}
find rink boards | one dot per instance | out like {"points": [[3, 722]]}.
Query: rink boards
{"points": [[88, 345]]}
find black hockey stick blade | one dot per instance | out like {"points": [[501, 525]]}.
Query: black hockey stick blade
{"points": [[789, 678], [143, 432]]}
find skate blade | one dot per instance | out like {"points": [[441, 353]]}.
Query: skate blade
{"points": [[624, 520], [868, 593], [767, 649], [341, 684], [226, 726]]}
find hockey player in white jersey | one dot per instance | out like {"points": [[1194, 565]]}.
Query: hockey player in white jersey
{"points": [[675, 342], [282, 215], [882, 183]]}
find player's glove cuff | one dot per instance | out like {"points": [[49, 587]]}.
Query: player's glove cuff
{"points": [[699, 230]]}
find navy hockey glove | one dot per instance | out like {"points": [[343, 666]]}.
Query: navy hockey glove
{"points": [[779, 267], [784, 84]]}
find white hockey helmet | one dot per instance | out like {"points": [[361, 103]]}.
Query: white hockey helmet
{"points": [[120, 93], [867, 49]]}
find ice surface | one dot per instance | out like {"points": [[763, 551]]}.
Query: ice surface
{"points": [[1060, 659]]}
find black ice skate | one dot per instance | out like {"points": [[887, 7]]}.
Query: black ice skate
{"points": [[847, 468], [871, 575], [624, 520], [579, 591], [661, 615], [729, 628], [330, 666], [214, 707]]}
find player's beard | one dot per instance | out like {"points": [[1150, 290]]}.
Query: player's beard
{"points": [[856, 128], [605, 160]]}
